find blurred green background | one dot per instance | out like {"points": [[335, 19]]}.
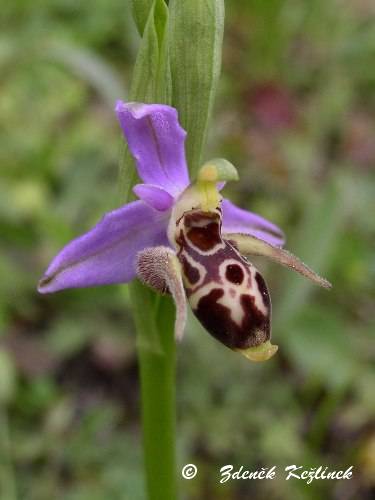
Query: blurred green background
{"points": [[296, 115]]}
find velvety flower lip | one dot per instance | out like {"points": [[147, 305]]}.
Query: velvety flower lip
{"points": [[107, 253]]}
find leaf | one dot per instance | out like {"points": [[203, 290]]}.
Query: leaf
{"points": [[141, 11], [151, 80], [196, 33], [151, 77]]}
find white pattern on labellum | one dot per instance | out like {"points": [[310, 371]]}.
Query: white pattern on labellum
{"points": [[201, 270], [243, 288], [202, 292]]}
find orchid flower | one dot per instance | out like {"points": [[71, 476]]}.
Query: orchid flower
{"points": [[181, 237]]}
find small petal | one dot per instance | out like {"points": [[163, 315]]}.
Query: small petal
{"points": [[249, 245], [237, 220], [154, 196], [156, 140], [159, 268], [106, 254]]}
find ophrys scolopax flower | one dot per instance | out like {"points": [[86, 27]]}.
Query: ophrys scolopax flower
{"points": [[181, 238]]}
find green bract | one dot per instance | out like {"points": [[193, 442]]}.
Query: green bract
{"points": [[196, 35]]}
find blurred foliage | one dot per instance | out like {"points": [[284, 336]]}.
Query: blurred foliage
{"points": [[296, 114]]}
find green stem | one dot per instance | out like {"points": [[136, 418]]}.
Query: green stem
{"points": [[156, 354], [194, 37]]}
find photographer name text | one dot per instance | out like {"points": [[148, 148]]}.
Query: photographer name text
{"points": [[291, 472]]}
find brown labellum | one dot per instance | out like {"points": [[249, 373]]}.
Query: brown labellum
{"points": [[226, 292]]}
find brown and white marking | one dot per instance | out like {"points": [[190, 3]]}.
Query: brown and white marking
{"points": [[225, 291]]}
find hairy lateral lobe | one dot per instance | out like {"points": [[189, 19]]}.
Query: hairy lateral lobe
{"points": [[159, 268]]}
